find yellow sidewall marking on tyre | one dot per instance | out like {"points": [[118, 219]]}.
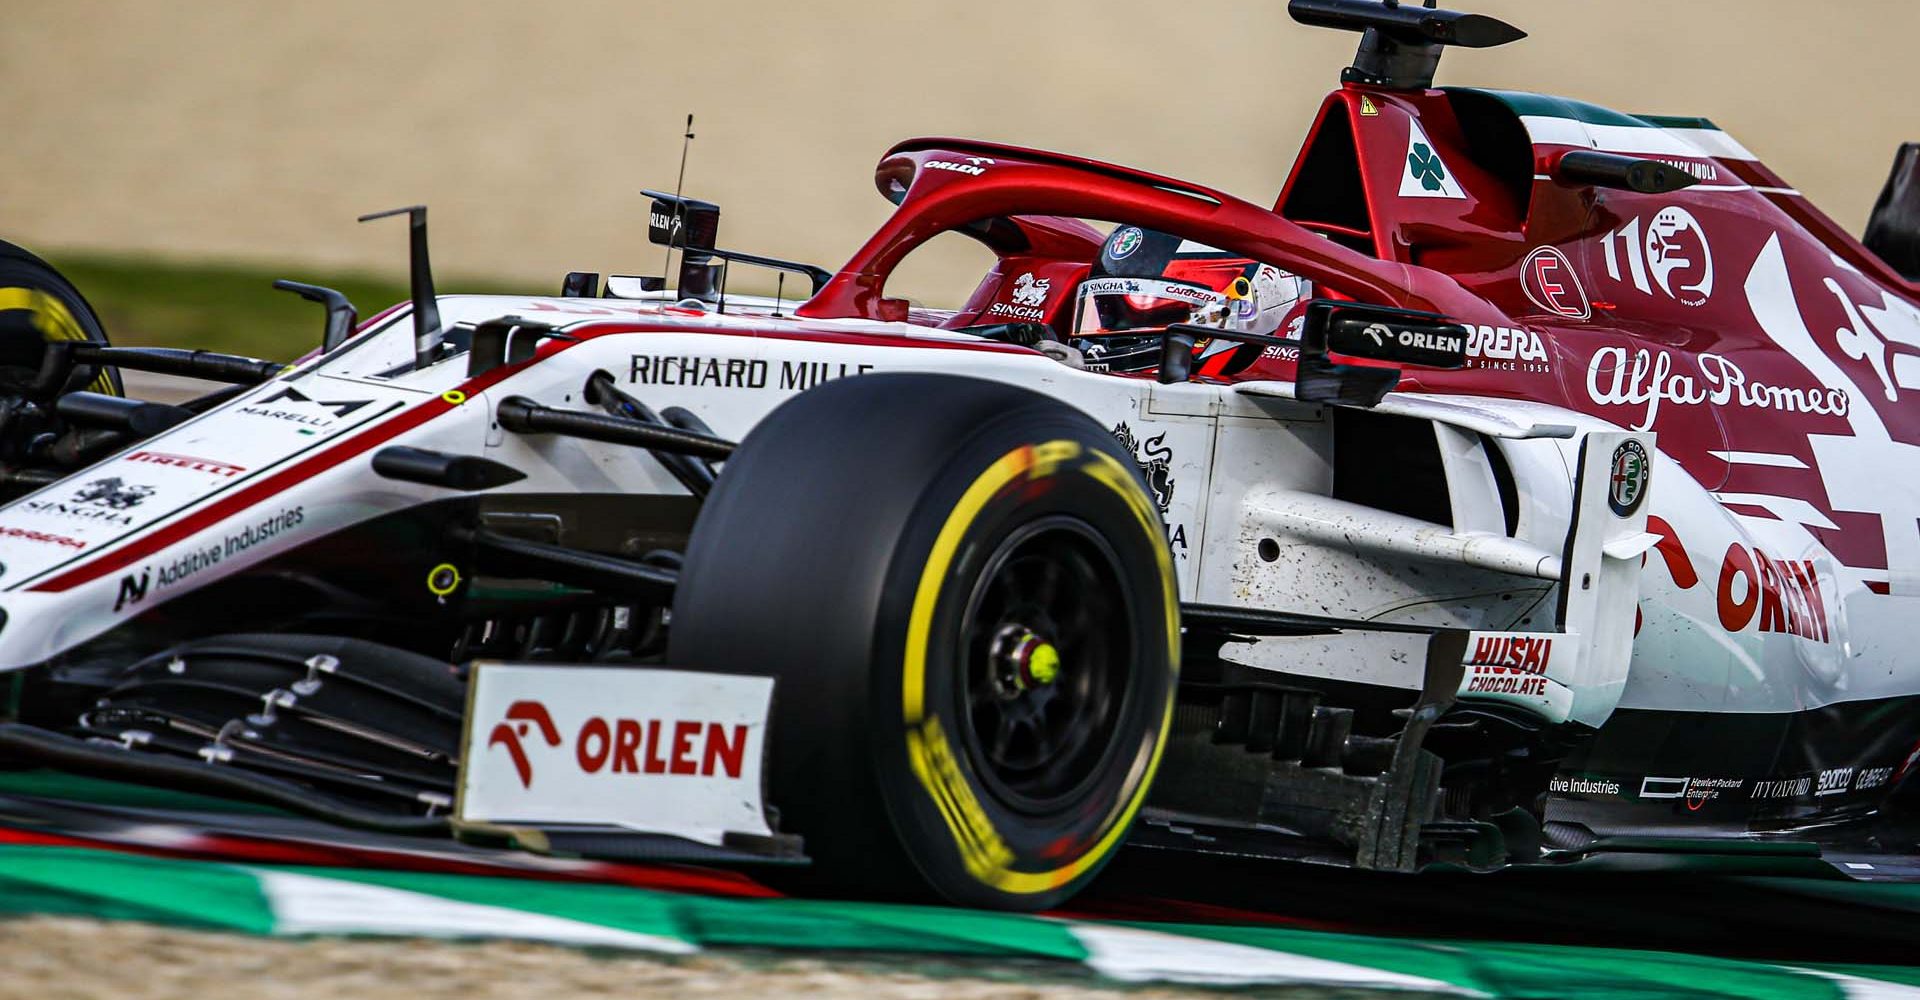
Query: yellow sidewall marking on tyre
{"points": [[54, 321], [982, 850], [920, 624]]}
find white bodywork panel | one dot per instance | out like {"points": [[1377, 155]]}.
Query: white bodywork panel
{"points": [[1230, 467]]}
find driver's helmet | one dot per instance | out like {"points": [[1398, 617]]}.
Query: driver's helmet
{"points": [[1145, 281]]}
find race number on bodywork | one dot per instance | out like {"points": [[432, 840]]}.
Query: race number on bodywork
{"points": [[656, 751]]}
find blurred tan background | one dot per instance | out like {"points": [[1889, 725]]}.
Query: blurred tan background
{"points": [[257, 131]]}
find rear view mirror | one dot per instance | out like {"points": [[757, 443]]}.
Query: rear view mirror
{"points": [[1374, 333], [682, 223]]}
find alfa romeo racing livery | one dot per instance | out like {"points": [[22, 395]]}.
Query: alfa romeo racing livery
{"points": [[1531, 483]]}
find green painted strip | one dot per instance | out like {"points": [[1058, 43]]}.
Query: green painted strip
{"points": [[110, 885], [1679, 121], [789, 923], [1535, 970], [1905, 975], [82, 881], [49, 784], [1904, 897], [1549, 106]]}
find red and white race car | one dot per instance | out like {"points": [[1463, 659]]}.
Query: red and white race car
{"points": [[1532, 482]]}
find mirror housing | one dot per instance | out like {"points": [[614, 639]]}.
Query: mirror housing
{"points": [[1372, 333]]}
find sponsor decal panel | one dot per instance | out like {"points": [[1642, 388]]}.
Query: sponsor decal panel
{"points": [[1833, 781], [1028, 291], [1627, 478], [1647, 379], [698, 371], [1583, 785], [1425, 175], [1782, 788], [1668, 252], [658, 750], [311, 415], [1501, 348], [42, 537], [161, 576], [219, 470], [1155, 459], [104, 500], [972, 166], [1871, 778], [1783, 595], [1029, 298], [1692, 792], [1547, 278], [1514, 667]]}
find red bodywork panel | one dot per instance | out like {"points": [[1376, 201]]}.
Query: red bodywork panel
{"points": [[1726, 316]]}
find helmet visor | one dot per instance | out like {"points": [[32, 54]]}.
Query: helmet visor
{"points": [[1131, 305]]}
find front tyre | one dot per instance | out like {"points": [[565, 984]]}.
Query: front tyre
{"points": [[38, 307], [969, 604]]}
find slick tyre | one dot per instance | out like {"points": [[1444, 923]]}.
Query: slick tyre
{"points": [[966, 597], [38, 306]]}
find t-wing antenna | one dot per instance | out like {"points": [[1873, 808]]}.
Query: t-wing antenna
{"points": [[1400, 46], [426, 307]]}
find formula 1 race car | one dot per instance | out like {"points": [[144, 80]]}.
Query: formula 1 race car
{"points": [[1337, 532]]}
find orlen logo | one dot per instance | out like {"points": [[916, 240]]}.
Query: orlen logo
{"points": [[522, 717], [631, 746]]}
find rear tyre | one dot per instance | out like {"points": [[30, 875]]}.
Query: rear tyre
{"points": [[968, 602]]}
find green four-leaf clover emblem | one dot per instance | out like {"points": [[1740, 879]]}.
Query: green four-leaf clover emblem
{"points": [[1425, 164]]}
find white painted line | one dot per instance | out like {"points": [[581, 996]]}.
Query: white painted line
{"points": [[1782, 508], [1862, 988], [307, 904], [1135, 955], [1777, 461]]}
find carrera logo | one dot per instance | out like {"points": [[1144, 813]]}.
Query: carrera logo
{"points": [[1501, 347], [46, 538], [522, 718]]}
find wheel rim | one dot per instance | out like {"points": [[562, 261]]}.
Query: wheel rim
{"points": [[1048, 650]]}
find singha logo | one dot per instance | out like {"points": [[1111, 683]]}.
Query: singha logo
{"points": [[1029, 292], [112, 492], [522, 717], [1155, 460]]}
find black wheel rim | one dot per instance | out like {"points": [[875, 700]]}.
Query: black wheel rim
{"points": [[1039, 738]]}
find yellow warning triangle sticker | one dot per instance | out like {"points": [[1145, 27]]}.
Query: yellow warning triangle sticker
{"points": [[1367, 106]]}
